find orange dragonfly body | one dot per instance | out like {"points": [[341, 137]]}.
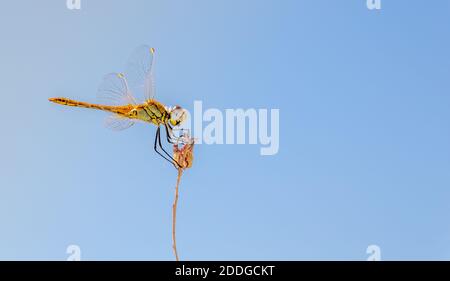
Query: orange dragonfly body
{"points": [[116, 92]]}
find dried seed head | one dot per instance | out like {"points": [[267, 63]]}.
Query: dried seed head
{"points": [[184, 155]]}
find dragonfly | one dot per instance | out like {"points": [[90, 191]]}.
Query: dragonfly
{"points": [[118, 94]]}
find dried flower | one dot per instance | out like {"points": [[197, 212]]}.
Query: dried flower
{"points": [[184, 156]]}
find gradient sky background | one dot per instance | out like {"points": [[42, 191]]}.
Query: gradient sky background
{"points": [[364, 131]]}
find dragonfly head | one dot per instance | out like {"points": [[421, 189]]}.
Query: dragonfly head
{"points": [[177, 115]]}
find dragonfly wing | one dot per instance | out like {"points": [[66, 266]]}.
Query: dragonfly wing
{"points": [[139, 72], [114, 90], [118, 123]]}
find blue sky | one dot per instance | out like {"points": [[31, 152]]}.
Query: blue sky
{"points": [[364, 131]]}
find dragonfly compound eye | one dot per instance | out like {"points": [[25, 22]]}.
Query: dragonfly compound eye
{"points": [[177, 116]]}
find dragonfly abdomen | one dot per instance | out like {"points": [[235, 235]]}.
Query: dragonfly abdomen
{"points": [[122, 110]]}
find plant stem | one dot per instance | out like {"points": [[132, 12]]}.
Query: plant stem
{"points": [[174, 214]]}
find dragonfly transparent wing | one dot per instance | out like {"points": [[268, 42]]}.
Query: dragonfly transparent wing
{"points": [[139, 72], [114, 90], [118, 123]]}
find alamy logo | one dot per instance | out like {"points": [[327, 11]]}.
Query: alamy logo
{"points": [[73, 4], [374, 4], [375, 253], [74, 252], [238, 126]]}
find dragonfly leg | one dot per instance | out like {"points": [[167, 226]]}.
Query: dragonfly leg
{"points": [[169, 134], [175, 163], [171, 138], [158, 140]]}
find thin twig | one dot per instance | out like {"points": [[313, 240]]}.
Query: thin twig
{"points": [[184, 158], [174, 214]]}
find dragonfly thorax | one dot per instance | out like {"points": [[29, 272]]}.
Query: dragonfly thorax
{"points": [[151, 111]]}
